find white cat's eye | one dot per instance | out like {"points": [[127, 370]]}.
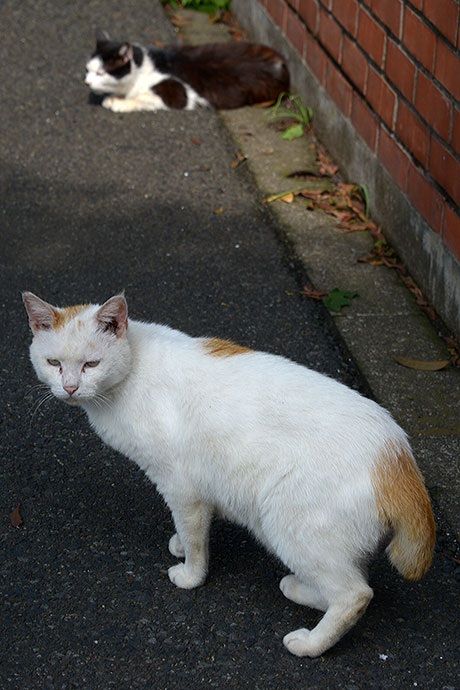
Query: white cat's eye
{"points": [[92, 364], [54, 362]]}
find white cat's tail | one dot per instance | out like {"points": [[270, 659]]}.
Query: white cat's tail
{"points": [[403, 505]]}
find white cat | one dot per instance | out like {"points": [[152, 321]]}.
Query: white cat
{"points": [[319, 474]]}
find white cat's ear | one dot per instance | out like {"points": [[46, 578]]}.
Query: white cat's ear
{"points": [[41, 314], [113, 315]]}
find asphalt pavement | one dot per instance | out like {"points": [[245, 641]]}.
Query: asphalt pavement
{"points": [[94, 202]]}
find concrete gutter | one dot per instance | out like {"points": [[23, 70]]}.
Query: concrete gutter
{"points": [[384, 319]]}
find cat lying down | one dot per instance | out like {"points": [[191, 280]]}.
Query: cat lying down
{"points": [[319, 474], [220, 75]]}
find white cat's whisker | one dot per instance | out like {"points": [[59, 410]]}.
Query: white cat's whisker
{"points": [[32, 389], [101, 400], [38, 403]]}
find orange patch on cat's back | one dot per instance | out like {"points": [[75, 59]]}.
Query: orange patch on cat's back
{"points": [[62, 317], [224, 348]]}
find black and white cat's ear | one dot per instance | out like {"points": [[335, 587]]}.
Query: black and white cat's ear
{"points": [[102, 36], [113, 315], [41, 314], [126, 52]]}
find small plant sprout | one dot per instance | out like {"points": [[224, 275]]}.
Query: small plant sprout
{"points": [[295, 109]]}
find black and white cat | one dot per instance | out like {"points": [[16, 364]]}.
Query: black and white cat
{"points": [[220, 75]]}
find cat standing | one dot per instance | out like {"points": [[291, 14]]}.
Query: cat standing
{"points": [[319, 474], [221, 75]]}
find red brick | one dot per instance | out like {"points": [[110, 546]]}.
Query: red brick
{"points": [[393, 158], [445, 168], [418, 4], [448, 69], [381, 97], [419, 39], [456, 132], [338, 88], [364, 121], [309, 11], [354, 63], [346, 12], [371, 37], [425, 197], [390, 13], [277, 9], [413, 134], [444, 15], [433, 106], [400, 70], [317, 60], [296, 32], [330, 34], [451, 232]]}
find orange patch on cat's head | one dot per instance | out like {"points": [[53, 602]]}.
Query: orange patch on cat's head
{"points": [[61, 317], [224, 348]]}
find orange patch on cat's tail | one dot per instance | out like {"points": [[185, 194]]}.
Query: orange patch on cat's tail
{"points": [[404, 505], [62, 316], [224, 348]]}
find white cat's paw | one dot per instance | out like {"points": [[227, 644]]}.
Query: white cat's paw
{"points": [[183, 577], [299, 643], [175, 546]]}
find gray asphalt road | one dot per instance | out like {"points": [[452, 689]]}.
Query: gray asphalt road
{"points": [[93, 202]]}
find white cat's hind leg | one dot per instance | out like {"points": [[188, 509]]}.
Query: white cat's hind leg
{"points": [[302, 594], [342, 614], [175, 546]]}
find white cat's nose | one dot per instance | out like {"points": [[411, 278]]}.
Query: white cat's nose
{"points": [[70, 389]]}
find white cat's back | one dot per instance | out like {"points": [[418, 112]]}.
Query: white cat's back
{"points": [[245, 415]]}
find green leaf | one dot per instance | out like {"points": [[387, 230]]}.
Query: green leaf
{"points": [[339, 298], [293, 132], [365, 195]]}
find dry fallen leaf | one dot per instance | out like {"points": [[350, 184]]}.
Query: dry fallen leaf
{"points": [[313, 294], [421, 365], [15, 517], [239, 159]]}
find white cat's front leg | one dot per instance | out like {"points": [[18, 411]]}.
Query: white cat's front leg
{"points": [[192, 522]]}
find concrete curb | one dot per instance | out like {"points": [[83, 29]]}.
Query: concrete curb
{"points": [[384, 319]]}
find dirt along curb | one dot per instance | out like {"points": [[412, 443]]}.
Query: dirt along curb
{"points": [[384, 318]]}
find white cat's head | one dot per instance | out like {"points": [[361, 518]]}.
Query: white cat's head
{"points": [[110, 69], [79, 352]]}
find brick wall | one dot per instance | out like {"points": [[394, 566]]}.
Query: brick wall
{"points": [[393, 68]]}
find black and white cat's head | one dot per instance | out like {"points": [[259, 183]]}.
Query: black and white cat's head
{"points": [[113, 65]]}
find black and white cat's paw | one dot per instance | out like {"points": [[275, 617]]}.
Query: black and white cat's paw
{"points": [[117, 105], [186, 578], [175, 546]]}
